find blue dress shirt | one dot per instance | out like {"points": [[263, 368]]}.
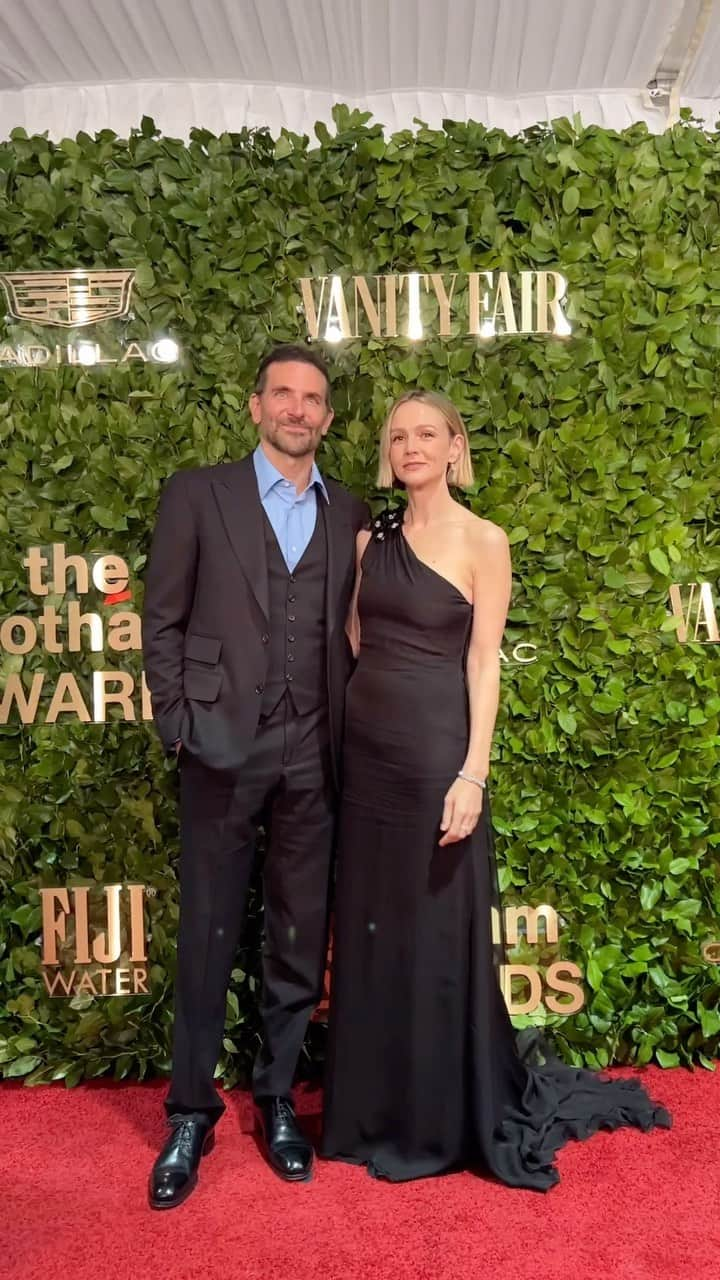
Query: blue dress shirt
{"points": [[291, 514]]}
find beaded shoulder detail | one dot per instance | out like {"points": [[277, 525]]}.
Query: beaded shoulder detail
{"points": [[386, 524]]}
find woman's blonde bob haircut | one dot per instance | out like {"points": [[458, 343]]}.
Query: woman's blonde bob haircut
{"points": [[460, 473]]}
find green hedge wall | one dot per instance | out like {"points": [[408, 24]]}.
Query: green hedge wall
{"points": [[598, 454]]}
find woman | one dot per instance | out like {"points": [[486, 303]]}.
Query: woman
{"points": [[423, 1069]]}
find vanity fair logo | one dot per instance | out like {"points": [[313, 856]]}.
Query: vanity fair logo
{"points": [[69, 300], [417, 305], [93, 940], [694, 606], [59, 626], [526, 987]]}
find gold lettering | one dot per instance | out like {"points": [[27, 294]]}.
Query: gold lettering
{"points": [[107, 945], [370, 307], [532, 977], [35, 562], [110, 574], [556, 981], [531, 916], [76, 622], [561, 326], [140, 986], [444, 300], [122, 976], [53, 926], [312, 313], [137, 923], [59, 980], [19, 623], [61, 563], [479, 323], [124, 631], [705, 615], [504, 297], [67, 687], [133, 351], [27, 704], [414, 323], [337, 324], [391, 306], [48, 623], [526, 299], [82, 925], [104, 975], [86, 985], [524, 645], [38, 355], [103, 697], [147, 711]]}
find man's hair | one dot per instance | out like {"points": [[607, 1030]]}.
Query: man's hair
{"points": [[283, 354]]}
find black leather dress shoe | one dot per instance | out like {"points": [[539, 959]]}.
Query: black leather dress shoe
{"points": [[288, 1152], [174, 1174]]}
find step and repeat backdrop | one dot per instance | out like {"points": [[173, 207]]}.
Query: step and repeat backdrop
{"points": [[563, 287]]}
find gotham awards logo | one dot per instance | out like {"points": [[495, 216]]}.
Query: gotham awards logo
{"points": [[61, 625]]}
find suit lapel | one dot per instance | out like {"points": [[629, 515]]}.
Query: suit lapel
{"points": [[236, 494]]}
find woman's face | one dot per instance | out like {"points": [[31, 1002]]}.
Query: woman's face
{"points": [[421, 445]]}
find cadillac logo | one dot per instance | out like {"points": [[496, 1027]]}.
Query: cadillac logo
{"points": [[69, 299]]}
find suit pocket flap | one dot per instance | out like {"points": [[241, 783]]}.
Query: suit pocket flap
{"points": [[202, 648], [202, 686]]}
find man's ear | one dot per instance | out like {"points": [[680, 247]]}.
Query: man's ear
{"points": [[328, 421], [255, 408]]}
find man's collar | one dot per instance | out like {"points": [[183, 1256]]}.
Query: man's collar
{"points": [[268, 475]]}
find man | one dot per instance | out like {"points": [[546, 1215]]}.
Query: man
{"points": [[247, 592]]}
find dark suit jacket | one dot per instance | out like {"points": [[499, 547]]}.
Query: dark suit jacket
{"points": [[206, 623]]}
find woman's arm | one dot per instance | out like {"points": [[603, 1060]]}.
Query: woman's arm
{"points": [[492, 585], [352, 626]]}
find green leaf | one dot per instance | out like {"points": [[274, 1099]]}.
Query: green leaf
{"points": [[659, 561]]}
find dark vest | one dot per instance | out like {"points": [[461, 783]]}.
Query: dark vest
{"points": [[296, 642]]}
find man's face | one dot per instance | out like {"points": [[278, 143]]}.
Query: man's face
{"points": [[292, 413]]}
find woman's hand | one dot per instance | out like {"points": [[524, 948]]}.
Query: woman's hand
{"points": [[461, 811]]}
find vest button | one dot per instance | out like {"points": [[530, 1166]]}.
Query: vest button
{"points": [[291, 617], [266, 638], [288, 678], [290, 639], [291, 657], [292, 577], [291, 599], [259, 688]]}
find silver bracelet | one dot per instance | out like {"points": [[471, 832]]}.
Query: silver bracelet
{"points": [[468, 777]]}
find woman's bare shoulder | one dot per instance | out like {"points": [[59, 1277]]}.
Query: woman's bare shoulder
{"points": [[484, 535]]}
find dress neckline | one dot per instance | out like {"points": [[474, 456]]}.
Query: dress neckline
{"points": [[391, 523]]}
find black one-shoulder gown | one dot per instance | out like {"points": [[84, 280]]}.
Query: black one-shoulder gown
{"points": [[423, 1072]]}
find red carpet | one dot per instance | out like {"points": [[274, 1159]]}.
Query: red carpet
{"points": [[74, 1164]]}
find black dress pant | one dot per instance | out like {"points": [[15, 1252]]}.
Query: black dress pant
{"points": [[286, 784]]}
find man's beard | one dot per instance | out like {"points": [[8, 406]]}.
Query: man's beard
{"points": [[299, 446]]}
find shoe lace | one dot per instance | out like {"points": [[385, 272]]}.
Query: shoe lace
{"points": [[284, 1110], [184, 1132]]}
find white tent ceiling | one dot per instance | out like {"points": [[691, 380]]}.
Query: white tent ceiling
{"points": [[67, 65]]}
